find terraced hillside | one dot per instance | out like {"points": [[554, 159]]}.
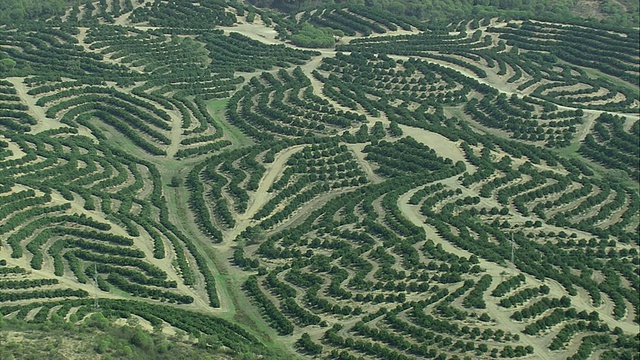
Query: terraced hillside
{"points": [[413, 192]]}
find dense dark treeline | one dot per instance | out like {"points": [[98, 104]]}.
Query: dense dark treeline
{"points": [[16, 10], [438, 9]]}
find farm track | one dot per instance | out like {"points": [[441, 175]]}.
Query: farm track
{"points": [[44, 123], [261, 195]]}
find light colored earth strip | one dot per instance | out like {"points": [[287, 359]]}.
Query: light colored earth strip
{"points": [[261, 195], [44, 123], [440, 144]]}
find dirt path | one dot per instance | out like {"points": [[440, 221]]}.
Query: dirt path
{"points": [[261, 195], [63, 281], [82, 35], [272, 172], [496, 271], [176, 134], [440, 144], [581, 302], [227, 289], [185, 222], [317, 86], [500, 84], [255, 31], [590, 117], [629, 122], [16, 151], [44, 123], [308, 69], [366, 166], [123, 20], [268, 35], [411, 212], [144, 243]]}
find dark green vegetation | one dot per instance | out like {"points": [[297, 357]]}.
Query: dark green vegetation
{"points": [[12, 10], [97, 336], [439, 189], [623, 12]]}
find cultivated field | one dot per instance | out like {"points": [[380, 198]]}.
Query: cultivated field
{"points": [[461, 192]]}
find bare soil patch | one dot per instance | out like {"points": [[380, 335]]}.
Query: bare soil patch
{"points": [[44, 123], [366, 166], [588, 9], [440, 144]]}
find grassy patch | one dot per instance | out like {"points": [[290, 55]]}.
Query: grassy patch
{"points": [[600, 172], [597, 74], [570, 151], [241, 310], [229, 286], [217, 108]]}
